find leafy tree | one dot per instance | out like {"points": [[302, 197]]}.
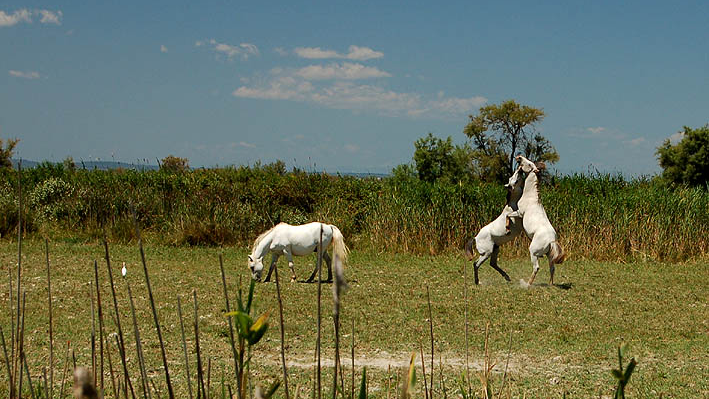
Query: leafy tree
{"points": [[6, 152], [500, 132], [436, 158], [69, 164], [174, 164], [686, 162]]}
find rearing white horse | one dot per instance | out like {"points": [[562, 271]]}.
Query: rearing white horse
{"points": [[499, 231], [535, 221], [284, 239]]}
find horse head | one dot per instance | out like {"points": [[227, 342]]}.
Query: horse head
{"points": [[528, 166], [256, 266], [515, 181]]}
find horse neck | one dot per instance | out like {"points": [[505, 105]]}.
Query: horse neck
{"points": [[514, 195], [263, 246], [531, 187]]}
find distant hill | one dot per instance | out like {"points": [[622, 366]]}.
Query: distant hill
{"points": [[110, 165], [90, 165]]}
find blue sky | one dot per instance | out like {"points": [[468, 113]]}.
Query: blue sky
{"points": [[346, 86]]}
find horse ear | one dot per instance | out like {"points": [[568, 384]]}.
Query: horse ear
{"points": [[251, 259]]}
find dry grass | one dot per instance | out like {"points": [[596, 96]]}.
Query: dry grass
{"points": [[562, 339]]}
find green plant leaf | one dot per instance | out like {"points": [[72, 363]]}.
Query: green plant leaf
{"points": [[411, 377], [251, 297], [629, 370], [239, 301], [623, 350], [258, 329], [260, 322], [363, 385], [255, 336], [617, 374], [244, 322]]}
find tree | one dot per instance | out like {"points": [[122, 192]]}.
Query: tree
{"points": [[69, 164], [500, 132], [6, 152], [686, 162], [174, 164], [436, 158]]}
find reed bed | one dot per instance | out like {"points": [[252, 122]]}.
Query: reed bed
{"points": [[598, 216]]}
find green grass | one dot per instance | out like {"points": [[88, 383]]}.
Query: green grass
{"points": [[562, 339]]}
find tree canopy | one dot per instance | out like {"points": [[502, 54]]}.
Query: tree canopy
{"points": [[686, 162], [6, 151], [500, 132], [436, 158], [174, 164]]}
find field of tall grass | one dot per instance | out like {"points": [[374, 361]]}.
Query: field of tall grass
{"points": [[555, 341], [600, 216]]}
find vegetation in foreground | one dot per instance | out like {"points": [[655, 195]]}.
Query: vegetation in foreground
{"points": [[562, 340]]}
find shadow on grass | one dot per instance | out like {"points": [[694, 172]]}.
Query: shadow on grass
{"points": [[562, 286]]}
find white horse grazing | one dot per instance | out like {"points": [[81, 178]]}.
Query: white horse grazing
{"points": [[284, 239], [535, 221], [499, 231]]}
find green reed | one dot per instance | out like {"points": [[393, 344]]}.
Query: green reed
{"points": [[600, 216]]}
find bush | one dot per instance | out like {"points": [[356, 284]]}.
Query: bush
{"points": [[605, 217], [687, 162]]}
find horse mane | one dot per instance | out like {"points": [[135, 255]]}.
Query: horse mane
{"points": [[262, 236]]}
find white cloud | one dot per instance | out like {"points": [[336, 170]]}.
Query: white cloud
{"points": [[280, 51], [363, 53], [50, 17], [457, 106], [357, 97], [343, 95], [636, 142], [315, 53], [596, 130], [355, 53], [242, 144], [351, 148], [347, 70], [163, 48], [676, 138], [25, 74], [243, 50], [284, 88], [25, 15]]}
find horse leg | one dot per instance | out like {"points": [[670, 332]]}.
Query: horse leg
{"points": [[289, 256], [535, 268], [312, 276], [328, 262], [551, 270], [274, 259], [483, 257], [493, 262]]}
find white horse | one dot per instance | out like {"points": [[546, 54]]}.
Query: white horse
{"points": [[284, 239], [535, 221], [499, 231]]}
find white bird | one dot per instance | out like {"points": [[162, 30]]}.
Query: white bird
{"points": [[124, 270]]}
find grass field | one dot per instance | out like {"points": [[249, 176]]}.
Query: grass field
{"points": [[562, 339]]}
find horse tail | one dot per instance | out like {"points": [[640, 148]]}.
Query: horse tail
{"points": [[469, 254], [339, 248], [557, 253]]}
